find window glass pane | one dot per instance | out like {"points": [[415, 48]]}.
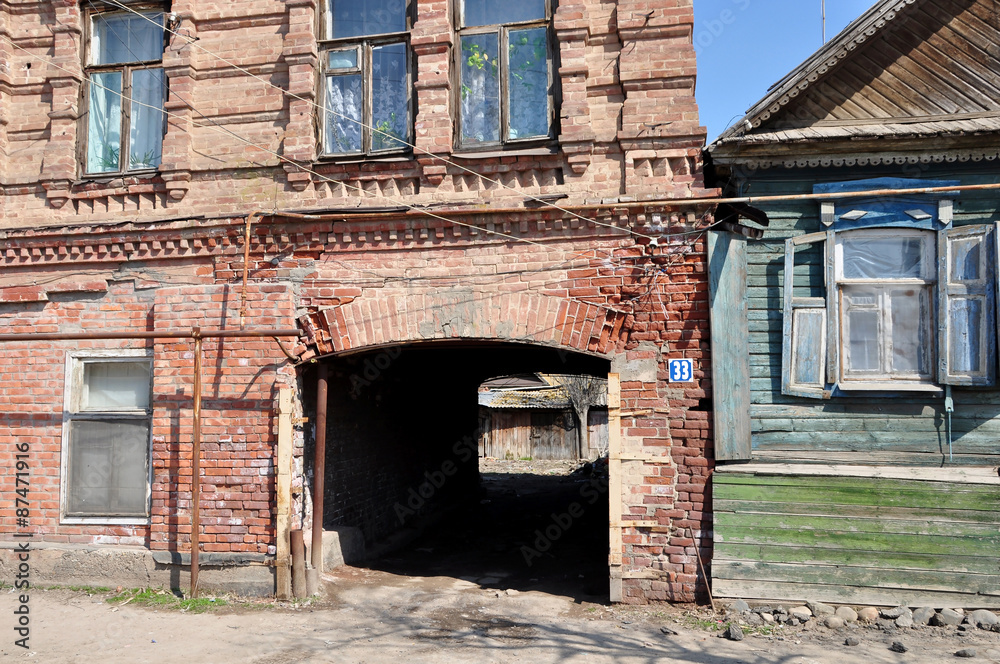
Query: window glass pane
{"points": [[118, 38], [480, 89], [965, 345], [108, 468], [965, 259], [489, 12], [357, 18], [146, 130], [910, 316], [881, 257], [528, 83], [862, 330], [104, 122], [808, 326], [343, 117], [115, 385], [343, 59], [390, 97]]}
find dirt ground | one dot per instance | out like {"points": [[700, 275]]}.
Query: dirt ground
{"points": [[457, 594]]}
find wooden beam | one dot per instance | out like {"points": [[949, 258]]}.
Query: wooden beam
{"points": [[284, 493], [615, 497]]}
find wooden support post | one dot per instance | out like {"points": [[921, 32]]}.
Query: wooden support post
{"points": [[284, 491], [615, 486]]}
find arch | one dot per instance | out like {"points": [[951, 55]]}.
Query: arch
{"points": [[408, 316]]}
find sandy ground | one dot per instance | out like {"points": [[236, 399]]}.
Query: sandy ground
{"points": [[457, 594]]}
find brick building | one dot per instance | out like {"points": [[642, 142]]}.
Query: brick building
{"points": [[417, 185]]}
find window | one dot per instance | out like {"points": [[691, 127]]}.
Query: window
{"points": [[126, 89], [505, 71], [890, 298], [366, 74], [106, 438]]}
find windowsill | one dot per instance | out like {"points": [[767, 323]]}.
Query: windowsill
{"points": [[107, 178], [104, 521], [542, 151], [850, 388], [361, 159]]}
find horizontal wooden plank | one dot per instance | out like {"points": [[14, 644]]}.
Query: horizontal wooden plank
{"points": [[887, 559], [856, 576], [874, 542], [835, 594], [827, 494], [813, 456], [830, 526], [902, 512]]}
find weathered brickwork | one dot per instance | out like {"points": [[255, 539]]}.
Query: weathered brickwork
{"points": [[165, 251]]}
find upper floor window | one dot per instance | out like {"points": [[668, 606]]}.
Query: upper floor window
{"points": [[126, 90], [505, 72], [366, 77]]}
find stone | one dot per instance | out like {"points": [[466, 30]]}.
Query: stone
{"points": [[819, 609], [834, 622], [733, 633], [868, 614], [754, 620], [763, 609], [847, 614], [946, 617], [887, 624], [897, 646], [767, 618], [905, 621], [894, 612], [810, 624], [923, 615], [995, 628], [801, 613], [668, 631], [982, 618], [792, 621], [739, 606], [966, 652], [852, 641]]}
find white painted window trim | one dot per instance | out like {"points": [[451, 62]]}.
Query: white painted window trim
{"points": [[72, 392]]}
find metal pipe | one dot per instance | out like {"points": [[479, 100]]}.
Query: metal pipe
{"points": [[319, 468], [155, 334], [196, 464]]}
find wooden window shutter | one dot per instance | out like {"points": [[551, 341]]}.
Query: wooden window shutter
{"points": [[804, 350], [967, 331]]}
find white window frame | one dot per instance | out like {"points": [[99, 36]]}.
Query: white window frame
{"points": [[363, 46], [72, 395]]}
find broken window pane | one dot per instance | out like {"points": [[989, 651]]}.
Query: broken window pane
{"points": [[489, 12], [528, 83], [965, 345], [104, 122], [344, 102], [121, 38], [108, 468], [390, 98], [360, 18], [480, 90], [146, 131], [881, 257]]}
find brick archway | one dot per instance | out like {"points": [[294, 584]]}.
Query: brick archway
{"points": [[414, 316]]}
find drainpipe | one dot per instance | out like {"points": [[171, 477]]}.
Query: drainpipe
{"points": [[319, 477], [196, 464]]}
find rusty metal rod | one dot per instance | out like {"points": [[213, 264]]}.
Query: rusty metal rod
{"points": [[319, 469], [147, 334], [246, 268], [196, 465]]}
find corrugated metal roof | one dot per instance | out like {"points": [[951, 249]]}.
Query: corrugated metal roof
{"points": [[552, 395]]}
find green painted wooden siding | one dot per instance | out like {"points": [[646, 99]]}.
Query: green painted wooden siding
{"points": [[856, 540], [905, 429]]}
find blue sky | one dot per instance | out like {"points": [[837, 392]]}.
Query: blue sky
{"points": [[745, 46]]}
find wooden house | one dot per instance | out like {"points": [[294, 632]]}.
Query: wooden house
{"points": [[537, 416], [855, 345]]}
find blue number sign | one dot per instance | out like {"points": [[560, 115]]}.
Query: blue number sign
{"points": [[681, 371]]}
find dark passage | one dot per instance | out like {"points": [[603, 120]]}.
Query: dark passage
{"points": [[403, 467]]}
